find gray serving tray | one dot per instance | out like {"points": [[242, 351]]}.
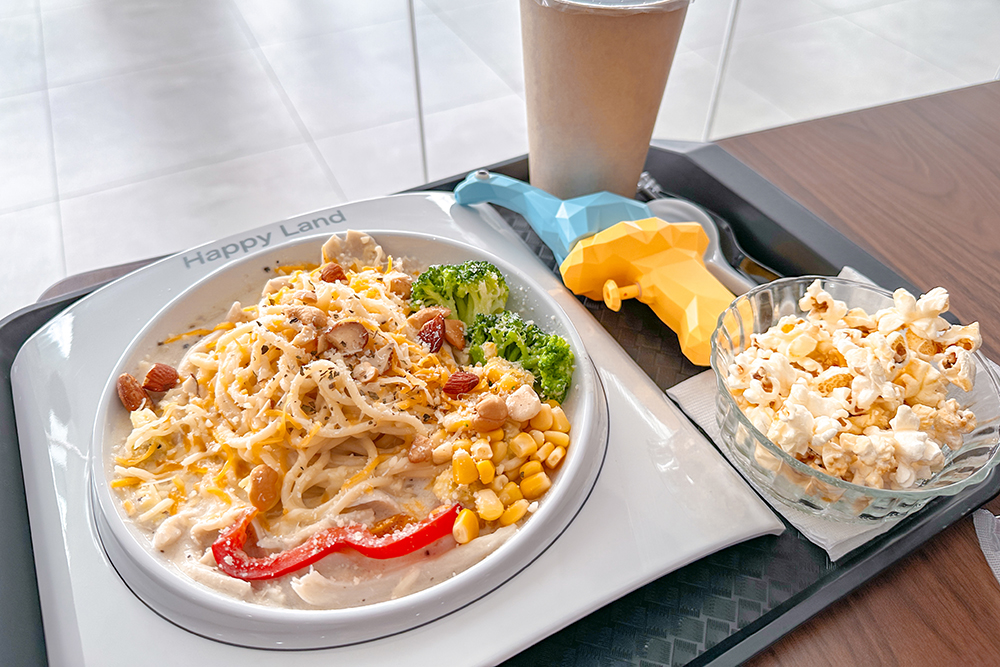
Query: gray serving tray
{"points": [[720, 610]]}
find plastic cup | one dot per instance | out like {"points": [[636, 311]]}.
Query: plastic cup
{"points": [[594, 75]]}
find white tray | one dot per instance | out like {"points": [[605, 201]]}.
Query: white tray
{"points": [[664, 498]]}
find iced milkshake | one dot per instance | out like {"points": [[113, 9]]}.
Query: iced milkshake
{"points": [[594, 74]]}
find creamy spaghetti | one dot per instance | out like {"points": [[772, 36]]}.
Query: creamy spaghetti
{"points": [[328, 404]]}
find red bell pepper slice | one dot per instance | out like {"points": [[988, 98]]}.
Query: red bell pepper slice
{"points": [[234, 561]]}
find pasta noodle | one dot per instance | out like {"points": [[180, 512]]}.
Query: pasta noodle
{"points": [[322, 405]]}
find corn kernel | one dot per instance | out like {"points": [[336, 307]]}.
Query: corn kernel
{"points": [[543, 452], [488, 505], [538, 436], [552, 403], [481, 450], [456, 425], [530, 468], [559, 420], [536, 485], [499, 451], [508, 382], [462, 443], [511, 465], [523, 445], [486, 471], [439, 436], [510, 494], [543, 420], [494, 373], [557, 438], [555, 458], [498, 483], [466, 527], [463, 468], [514, 513], [495, 434], [442, 453]]}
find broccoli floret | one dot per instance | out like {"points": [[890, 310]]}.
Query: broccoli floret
{"points": [[469, 289], [546, 356]]}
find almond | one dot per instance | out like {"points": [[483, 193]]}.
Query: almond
{"points": [[460, 383], [424, 315], [264, 490], [364, 372], [432, 333], [491, 412], [160, 378], [420, 450], [131, 393], [305, 296], [454, 333], [347, 337], [399, 284], [332, 272], [492, 407], [310, 315]]}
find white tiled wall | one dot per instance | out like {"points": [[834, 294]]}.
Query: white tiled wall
{"points": [[132, 128]]}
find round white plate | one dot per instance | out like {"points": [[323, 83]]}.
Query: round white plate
{"points": [[209, 613]]}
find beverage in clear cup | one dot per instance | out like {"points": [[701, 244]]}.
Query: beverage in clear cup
{"points": [[594, 76]]}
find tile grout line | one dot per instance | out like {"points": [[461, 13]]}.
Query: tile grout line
{"points": [[441, 16], [177, 169], [720, 70], [915, 55], [52, 143], [287, 101], [180, 62], [797, 119], [417, 89]]}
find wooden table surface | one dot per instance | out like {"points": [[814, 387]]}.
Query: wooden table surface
{"points": [[917, 183]]}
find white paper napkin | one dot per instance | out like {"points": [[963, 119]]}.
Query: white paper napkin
{"points": [[696, 397]]}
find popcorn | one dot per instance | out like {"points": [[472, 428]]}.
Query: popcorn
{"points": [[950, 422], [858, 319], [760, 417], [921, 316], [966, 337], [917, 455], [820, 305], [836, 461], [861, 397], [922, 383], [873, 458], [834, 377], [792, 430], [958, 367]]}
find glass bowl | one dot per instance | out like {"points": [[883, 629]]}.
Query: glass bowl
{"points": [[797, 484]]}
